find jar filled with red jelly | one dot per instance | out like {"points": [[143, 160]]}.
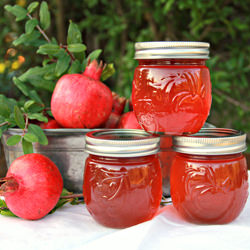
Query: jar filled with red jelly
{"points": [[122, 183], [171, 87], [209, 178]]}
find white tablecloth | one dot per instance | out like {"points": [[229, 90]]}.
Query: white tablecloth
{"points": [[71, 227]]}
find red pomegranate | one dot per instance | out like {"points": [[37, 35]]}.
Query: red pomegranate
{"points": [[81, 100], [51, 124], [112, 121], [32, 186], [128, 120], [118, 106], [119, 103]]}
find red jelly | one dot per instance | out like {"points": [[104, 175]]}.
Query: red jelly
{"points": [[171, 87], [122, 179], [209, 179]]}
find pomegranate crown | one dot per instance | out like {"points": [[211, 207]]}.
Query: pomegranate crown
{"points": [[94, 70], [8, 185]]}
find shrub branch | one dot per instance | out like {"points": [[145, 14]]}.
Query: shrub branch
{"points": [[232, 100], [40, 30]]}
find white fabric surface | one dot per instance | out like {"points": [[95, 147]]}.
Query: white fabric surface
{"points": [[72, 227]]}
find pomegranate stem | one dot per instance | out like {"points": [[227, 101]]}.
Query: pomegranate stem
{"points": [[71, 196]]}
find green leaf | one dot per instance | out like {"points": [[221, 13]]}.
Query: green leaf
{"points": [[17, 11], [108, 71], [50, 74], [13, 140], [27, 147], [25, 90], [65, 192], [4, 210], [38, 116], [48, 49], [46, 62], [7, 212], [33, 95], [44, 15], [1, 133], [32, 106], [30, 137], [36, 130], [4, 109], [27, 38], [35, 72], [2, 203], [94, 55], [168, 6], [49, 113], [75, 67], [10, 102], [19, 117], [42, 83], [11, 120], [28, 104], [61, 202], [3, 129], [30, 25], [62, 63], [21, 86], [35, 76], [77, 47], [74, 34], [2, 119], [32, 6]]}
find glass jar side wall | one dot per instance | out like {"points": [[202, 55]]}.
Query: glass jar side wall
{"points": [[172, 96], [121, 192], [209, 189]]}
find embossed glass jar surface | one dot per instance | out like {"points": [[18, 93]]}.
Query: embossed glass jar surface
{"points": [[209, 179], [171, 87], [122, 184]]}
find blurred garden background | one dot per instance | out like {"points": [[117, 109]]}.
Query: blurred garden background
{"points": [[115, 25]]}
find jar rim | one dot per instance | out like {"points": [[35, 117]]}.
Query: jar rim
{"points": [[211, 141], [171, 49], [121, 143]]}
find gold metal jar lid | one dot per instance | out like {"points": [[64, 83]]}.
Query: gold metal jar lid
{"points": [[171, 49], [121, 143], [211, 141]]}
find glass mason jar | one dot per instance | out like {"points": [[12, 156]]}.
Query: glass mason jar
{"points": [[209, 179], [122, 180], [171, 87]]}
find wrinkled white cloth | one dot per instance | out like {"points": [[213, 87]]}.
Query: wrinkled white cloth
{"points": [[72, 227]]}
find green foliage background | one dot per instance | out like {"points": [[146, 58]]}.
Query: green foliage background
{"points": [[115, 25]]}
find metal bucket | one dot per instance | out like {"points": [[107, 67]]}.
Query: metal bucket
{"points": [[3, 167], [65, 149]]}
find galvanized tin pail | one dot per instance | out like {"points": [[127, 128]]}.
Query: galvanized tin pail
{"points": [[3, 167], [65, 149]]}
